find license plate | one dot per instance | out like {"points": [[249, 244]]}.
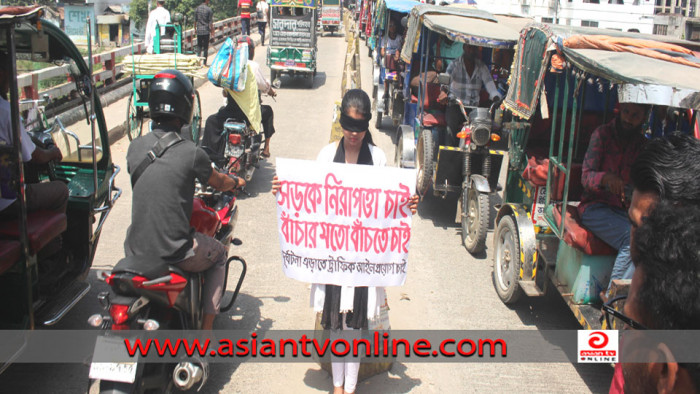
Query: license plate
{"points": [[290, 63], [112, 371]]}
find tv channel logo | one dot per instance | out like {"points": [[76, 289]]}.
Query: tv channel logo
{"points": [[598, 346]]}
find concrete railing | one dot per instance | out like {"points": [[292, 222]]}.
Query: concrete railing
{"points": [[28, 83]]}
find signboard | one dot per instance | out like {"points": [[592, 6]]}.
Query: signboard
{"points": [[330, 14], [293, 31], [344, 224], [75, 24]]}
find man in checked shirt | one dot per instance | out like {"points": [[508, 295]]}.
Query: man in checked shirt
{"points": [[467, 75], [203, 26]]}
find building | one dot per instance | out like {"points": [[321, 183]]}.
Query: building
{"points": [[621, 15], [678, 18]]}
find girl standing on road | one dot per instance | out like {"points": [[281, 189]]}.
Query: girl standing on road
{"points": [[348, 307]]}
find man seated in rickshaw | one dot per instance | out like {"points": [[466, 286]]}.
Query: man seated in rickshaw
{"points": [[390, 52], [606, 175], [52, 196], [468, 74]]}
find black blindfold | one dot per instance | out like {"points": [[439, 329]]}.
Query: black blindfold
{"points": [[354, 125]]}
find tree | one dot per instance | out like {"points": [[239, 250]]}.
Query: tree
{"points": [[138, 12]]}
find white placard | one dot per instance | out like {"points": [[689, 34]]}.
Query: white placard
{"points": [[344, 224]]}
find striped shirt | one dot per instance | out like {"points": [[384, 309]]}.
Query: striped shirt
{"points": [[467, 87], [244, 7]]}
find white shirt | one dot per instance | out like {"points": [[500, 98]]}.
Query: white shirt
{"points": [[327, 154], [263, 83], [6, 139], [161, 16], [375, 295], [262, 7]]}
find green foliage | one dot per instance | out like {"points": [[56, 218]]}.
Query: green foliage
{"points": [[139, 12]]}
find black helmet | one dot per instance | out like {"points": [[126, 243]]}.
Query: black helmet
{"points": [[171, 95]]}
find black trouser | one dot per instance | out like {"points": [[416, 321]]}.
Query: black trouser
{"points": [[455, 120], [203, 46], [261, 30], [267, 120]]}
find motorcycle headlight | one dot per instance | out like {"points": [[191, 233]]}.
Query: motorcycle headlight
{"points": [[481, 134]]}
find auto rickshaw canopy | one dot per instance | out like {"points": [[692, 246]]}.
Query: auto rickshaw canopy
{"points": [[294, 3], [647, 69], [466, 25]]}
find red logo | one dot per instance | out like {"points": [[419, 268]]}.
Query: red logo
{"points": [[598, 340]]}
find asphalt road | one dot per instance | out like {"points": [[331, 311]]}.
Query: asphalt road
{"points": [[446, 288]]}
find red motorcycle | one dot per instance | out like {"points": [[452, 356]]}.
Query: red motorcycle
{"points": [[150, 294]]}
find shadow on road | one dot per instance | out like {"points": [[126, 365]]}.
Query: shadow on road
{"points": [[262, 178], [301, 82]]}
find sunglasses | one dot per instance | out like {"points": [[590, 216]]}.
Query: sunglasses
{"points": [[615, 319]]}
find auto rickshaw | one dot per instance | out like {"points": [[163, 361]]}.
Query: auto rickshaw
{"points": [[143, 70], [388, 103], [292, 47], [560, 92], [38, 287], [471, 168], [331, 15]]}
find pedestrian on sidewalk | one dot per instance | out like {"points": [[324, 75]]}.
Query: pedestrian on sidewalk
{"points": [[244, 9], [158, 17], [263, 12], [203, 26]]}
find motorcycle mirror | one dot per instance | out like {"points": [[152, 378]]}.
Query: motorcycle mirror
{"points": [[237, 242], [444, 78]]}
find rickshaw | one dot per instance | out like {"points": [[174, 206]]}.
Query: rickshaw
{"points": [[560, 92], [145, 67], [470, 169], [331, 15], [38, 288], [392, 103], [292, 47]]}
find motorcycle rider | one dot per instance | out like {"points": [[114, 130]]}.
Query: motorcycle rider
{"points": [[163, 167]]}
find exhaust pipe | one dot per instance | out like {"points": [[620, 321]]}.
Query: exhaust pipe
{"points": [[186, 375]]}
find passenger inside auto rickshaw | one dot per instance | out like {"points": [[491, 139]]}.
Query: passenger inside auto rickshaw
{"points": [[445, 51], [606, 175], [468, 74], [51, 196], [390, 52]]}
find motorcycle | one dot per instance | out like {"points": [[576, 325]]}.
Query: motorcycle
{"points": [[150, 294], [243, 149]]}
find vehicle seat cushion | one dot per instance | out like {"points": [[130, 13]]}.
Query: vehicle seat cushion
{"points": [[536, 174], [434, 119], [10, 252], [431, 98], [42, 227], [151, 267], [576, 235]]}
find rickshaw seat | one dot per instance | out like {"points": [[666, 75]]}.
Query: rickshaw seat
{"points": [[42, 228], [536, 173], [576, 235], [434, 119], [10, 252]]}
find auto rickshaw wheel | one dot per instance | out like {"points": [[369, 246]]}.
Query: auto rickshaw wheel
{"points": [[310, 80], [378, 121], [424, 158], [506, 266], [196, 119], [475, 219], [134, 122]]}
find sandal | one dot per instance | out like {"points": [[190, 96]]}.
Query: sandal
{"points": [[265, 155]]}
